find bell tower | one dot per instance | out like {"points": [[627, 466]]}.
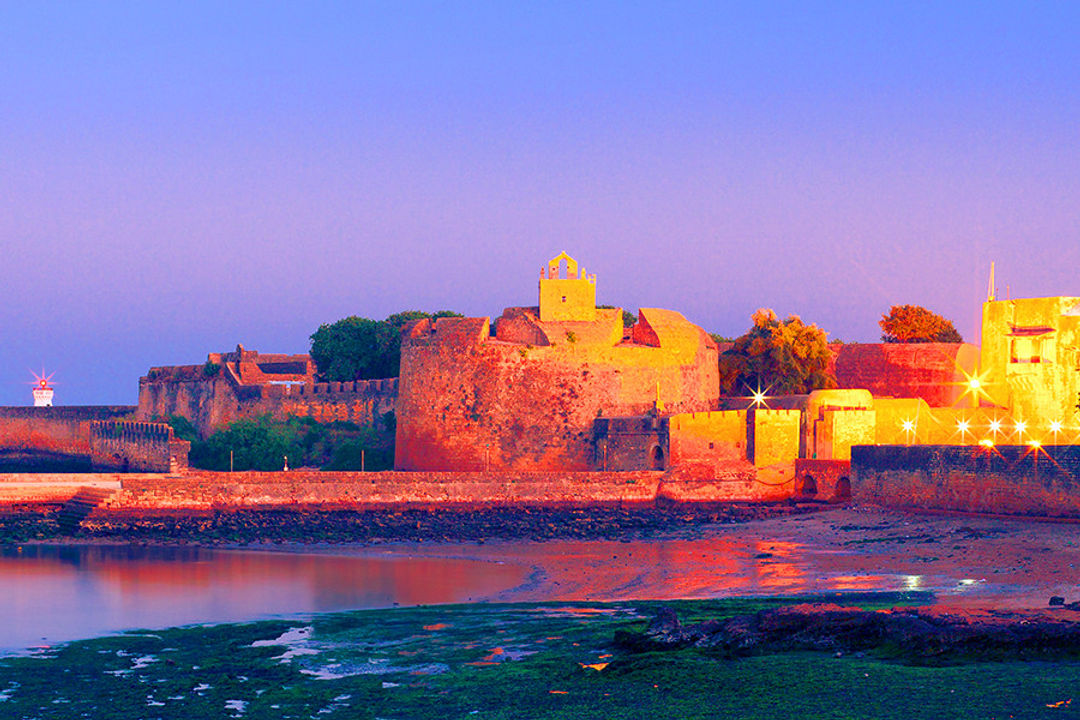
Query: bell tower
{"points": [[566, 299]]}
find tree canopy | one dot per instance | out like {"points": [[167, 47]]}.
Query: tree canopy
{"points": [[358, 348], [781, 358], [263, 443], [916, 324]]}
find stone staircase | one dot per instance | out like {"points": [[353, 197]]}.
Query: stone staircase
{"points": [[80, 505]]}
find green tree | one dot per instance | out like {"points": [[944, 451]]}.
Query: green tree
{"points": [[358, 348], [916, 324], [256, 444], [263, 444], [780, 358], [183, 429]]}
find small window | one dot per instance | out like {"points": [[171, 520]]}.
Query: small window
{"points": [[1026, 350], [564, 298], [712, 446]]}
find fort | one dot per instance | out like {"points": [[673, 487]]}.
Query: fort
{"points": [[30, 436], [561, 402], [245, 383]]}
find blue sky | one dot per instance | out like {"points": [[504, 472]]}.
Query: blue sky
{"points": [[180, 177]]}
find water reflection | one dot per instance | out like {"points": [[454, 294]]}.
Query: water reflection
{"points": [[51, 594], [59, 593]]}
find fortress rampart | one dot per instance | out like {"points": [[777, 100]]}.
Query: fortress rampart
{"points": [[232, 392], [148, 494], [1009, 479], [124, 446], [355, 490], [55, 430], [526, 398]]}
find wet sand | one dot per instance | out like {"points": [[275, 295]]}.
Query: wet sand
{"points": [[966, 561]]}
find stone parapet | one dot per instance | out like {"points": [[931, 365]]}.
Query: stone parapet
{"points": [[63, 430], [136, 446], [1006, 479], [328, 490]]}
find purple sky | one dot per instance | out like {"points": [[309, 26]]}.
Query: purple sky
{"points": [[179, 177]]}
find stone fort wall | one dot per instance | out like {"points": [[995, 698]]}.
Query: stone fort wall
{"points": [[934, 372], [1009, 479], [357, 490], [213, 402], [123, 445], [147, 494], [55, 430], [527, 398]]}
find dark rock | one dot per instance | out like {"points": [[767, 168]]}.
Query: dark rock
{"points": [[1056, 600], [916, 635]]}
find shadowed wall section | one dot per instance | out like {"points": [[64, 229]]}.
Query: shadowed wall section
{"points": [[136, 446], [1013, 479], [28, 434]]}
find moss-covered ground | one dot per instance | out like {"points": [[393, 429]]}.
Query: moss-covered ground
{"points": [[500, 661]]}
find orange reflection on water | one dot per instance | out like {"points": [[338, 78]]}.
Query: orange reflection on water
{"points": [[51, 594], [857, 582], [777, 567]]}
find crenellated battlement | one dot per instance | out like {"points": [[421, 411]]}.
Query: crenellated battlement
{"points": [[131, 445], [245, 383], [387, 386]]}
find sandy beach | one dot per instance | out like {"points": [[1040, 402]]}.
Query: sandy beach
{"points": [[963, 560]]}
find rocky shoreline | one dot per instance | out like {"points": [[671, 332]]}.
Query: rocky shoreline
{"points": [[30, 524], [916, 635]]}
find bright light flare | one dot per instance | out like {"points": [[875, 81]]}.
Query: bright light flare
{"points": [[759, 398], [42, 380], [974, 385], [1034, 444], [987, 443], [995, 426], [1055, 426], [909, 429], [1021, 427]]}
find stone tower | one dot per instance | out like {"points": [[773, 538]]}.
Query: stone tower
{"points": [[571, 298]]}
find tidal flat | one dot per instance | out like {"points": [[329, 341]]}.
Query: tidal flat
{"points": [[546, 660]]}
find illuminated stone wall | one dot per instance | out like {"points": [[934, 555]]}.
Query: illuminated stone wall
{"points": [[527, 398], [775, 436], [718, 437], [355, 490], [935, 372], [1031, 358]]}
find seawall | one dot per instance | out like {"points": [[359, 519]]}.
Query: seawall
{"points": [[1013, 479], [361, 490], [62, 430], [150, 493]]}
